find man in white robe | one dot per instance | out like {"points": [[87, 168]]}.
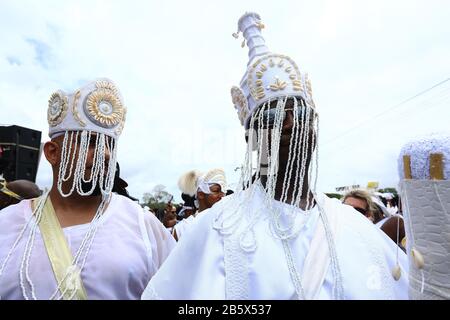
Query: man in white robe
{"points": [[79, 240], [276, 237]]}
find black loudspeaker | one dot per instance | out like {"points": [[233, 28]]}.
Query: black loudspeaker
{"points": [[19, 152]]}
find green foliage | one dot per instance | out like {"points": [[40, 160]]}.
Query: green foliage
{"points": [[334, 195], [389, 190], [158, 198]]}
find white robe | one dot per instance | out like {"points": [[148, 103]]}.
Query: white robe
{"points": [[128, 248], [181, 227], [365, 254]]}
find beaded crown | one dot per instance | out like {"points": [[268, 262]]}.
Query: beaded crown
{"points": [[98, 107], [268, 76]]}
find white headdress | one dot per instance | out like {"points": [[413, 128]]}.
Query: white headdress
{"points": [[274, 78], [194, 181], [91, 116], [424, 170], [272, 82], [269, 76], [214, 176], [188, 182], [95, 111]]}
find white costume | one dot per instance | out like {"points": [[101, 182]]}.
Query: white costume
{"points": [[251, 246], [424, 169], [181, 226], [114, 255], [264, 274], [129, 247]]}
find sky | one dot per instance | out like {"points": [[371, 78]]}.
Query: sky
{"points": [[175, 62]]}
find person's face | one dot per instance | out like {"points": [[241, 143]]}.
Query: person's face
{"points": [[268, 119], [188, 212], [215, 195], [170, 217], [53, 152], [171, 212], [360, 206]]}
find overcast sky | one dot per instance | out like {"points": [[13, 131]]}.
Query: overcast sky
{"points": [[175, 62]]}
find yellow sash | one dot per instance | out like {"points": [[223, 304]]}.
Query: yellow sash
{"points": [[60, 256]]}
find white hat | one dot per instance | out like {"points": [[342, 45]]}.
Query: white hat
{"points": [[194, 180], [269, 76], [214, 176], [97, 107]]}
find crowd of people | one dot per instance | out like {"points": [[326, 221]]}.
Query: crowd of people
{"points": [[275, 237]]}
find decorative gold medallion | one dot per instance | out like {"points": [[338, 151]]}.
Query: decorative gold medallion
{"points": [[103, 106], [240, 103], [57, 108]]}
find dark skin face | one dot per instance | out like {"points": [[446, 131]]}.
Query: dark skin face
{"points": [[53, 149], [74, 209], [188, 213], [206, 201], [170, 216], [283, 154]]}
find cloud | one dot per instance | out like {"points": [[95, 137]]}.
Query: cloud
{"points": [[13, 61], [42, 51], [175, 62]]}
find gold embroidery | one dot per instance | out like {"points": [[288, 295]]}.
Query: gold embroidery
{"points": [[57, 108], [240, 103], [75, 110], [278, 85]]}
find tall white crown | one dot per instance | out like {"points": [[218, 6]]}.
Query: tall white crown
{"points": [[268, 76]]}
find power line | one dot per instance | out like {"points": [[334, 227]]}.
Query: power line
{"points": [[424, 105], [385, 111]]}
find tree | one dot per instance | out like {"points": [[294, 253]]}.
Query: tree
{"points": [[389, 190], [158, 198], [334, 195]]}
